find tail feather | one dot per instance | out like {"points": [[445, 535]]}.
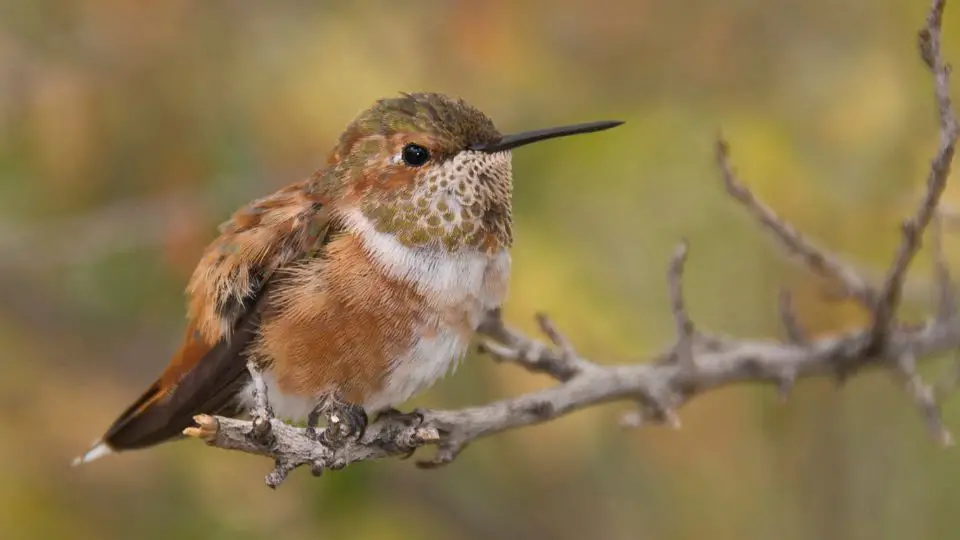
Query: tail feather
{"points": [[164, 411], [97, 451]]}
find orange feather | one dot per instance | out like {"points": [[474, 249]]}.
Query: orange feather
{"points": [[225, 297]]}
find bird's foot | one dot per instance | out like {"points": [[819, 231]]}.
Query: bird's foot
{"points": [[345, 421], [410, 419]]}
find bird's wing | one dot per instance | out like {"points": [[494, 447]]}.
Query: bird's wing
{"points": [[226, 295]]}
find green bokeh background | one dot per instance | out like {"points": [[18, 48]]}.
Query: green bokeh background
{"points": [[128, 131]]}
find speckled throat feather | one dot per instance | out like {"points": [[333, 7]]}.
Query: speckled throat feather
{"points": [[463, 203]]}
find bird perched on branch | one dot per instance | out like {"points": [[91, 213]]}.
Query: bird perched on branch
{"points": [[353, 290]]}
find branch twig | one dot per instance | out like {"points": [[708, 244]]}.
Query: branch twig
{"points": [[507, 345], [791, 325], [683, 351], [817, 259], [913, 228]]}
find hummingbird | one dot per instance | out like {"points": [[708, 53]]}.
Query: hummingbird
{"points": [[353, 290]]}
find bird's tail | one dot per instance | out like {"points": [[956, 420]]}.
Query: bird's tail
{"points": [[201, 379], [126, 433]]}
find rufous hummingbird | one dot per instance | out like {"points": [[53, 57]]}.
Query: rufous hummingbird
{"points": [[353, 290]]}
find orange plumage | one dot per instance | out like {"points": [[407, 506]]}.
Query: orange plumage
{"points": [[356, 288]]}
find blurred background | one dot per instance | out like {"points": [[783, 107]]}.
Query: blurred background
{"points": [[128, 132]]}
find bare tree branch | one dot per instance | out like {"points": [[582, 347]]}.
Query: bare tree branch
{"points": [[923, 396], [507, 345], [698, 362], [913, 228], [452, 430], [683, 351], [818, 259], [794, 331]]}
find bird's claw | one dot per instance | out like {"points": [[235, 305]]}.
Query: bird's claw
{"points": [[345, 421], [412, 419]]}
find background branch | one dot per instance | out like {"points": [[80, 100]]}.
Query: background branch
{"points": [[697, 363]]}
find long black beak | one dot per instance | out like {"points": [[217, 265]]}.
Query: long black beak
{"points": [[508, 142]]}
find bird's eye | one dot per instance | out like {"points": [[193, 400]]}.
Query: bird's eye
{"points": [[415, 155]]}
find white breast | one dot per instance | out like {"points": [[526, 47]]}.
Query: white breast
{"points": [[458, 286], [428, 361], [446, 278]]}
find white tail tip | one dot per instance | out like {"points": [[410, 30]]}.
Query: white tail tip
{"points": [[98, 451]]}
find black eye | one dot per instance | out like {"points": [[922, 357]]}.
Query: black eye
{"points": [[415, 155]]}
